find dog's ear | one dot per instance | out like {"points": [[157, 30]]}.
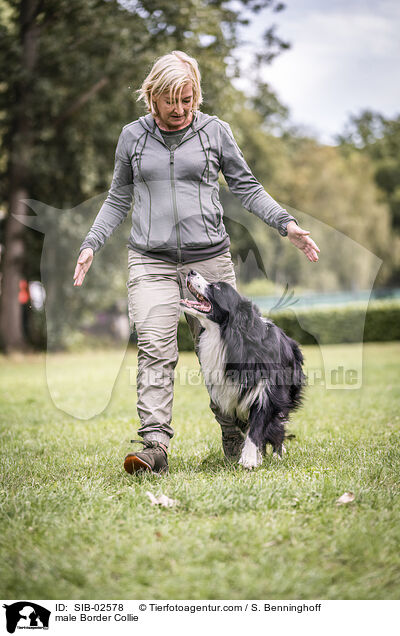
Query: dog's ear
{"points": [[242, 345], [244, 320]]}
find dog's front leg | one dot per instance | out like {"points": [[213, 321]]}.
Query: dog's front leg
{"points": [[251, 456], [254, 445]]}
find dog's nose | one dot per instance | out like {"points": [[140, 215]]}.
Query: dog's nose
{"points": [[192, 272]]}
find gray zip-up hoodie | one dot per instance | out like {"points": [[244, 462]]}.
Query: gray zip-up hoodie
{"points": [[177, 215]]}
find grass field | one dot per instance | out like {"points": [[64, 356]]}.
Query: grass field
{"points": [[75, 525]]}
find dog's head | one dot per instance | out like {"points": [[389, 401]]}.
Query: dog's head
{"points": [[214, 301], [249, 339]]}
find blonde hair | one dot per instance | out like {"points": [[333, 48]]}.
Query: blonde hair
{"points": [[171, 72]]}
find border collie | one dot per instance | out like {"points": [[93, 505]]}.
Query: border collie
{"points": [[251, 368]]}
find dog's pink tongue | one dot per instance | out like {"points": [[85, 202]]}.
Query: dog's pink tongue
{"points": [[196, 304]]}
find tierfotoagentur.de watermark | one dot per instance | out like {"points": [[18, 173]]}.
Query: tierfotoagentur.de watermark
{"points": [[339, 377]]}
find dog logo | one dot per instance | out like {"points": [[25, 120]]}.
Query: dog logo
{"points": [[26, 615]]}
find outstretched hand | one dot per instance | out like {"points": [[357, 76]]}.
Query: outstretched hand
{"points": [[302, 240], [84, 262]]}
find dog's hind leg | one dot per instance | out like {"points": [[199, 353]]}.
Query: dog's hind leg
{"points": [[277, 454], [275, 435]]}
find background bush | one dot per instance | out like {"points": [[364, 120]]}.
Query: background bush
{"points": [[333, 326]]}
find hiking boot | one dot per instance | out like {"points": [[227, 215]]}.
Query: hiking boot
{"points": [[152, 459], [232, 444]]}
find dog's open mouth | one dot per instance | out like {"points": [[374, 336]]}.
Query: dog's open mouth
{"points": [[201, 304]]}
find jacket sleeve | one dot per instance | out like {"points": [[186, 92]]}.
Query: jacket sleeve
{"points": [[243, 183], [118, 202]]}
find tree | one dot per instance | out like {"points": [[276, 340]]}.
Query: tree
{"points": [[20, 154], [69, 68], [378, 138]]}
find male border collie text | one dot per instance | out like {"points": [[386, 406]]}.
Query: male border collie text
{"points": [[251, 368]]}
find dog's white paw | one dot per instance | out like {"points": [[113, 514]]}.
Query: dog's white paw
{"points": [[251, 456], [249, 465]]}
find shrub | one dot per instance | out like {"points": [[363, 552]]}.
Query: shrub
{"points": [[329, 325]]}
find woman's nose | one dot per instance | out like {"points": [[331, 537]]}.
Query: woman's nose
{"points": [[178, 108]]}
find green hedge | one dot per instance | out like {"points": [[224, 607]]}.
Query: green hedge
{"points": [[329, 325]]}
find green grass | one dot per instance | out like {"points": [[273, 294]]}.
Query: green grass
{"points": [[75, 525]]}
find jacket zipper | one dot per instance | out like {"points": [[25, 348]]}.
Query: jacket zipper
{"points": [[172, 178]]}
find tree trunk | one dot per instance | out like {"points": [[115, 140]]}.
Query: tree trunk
{"points": [[11, 329]]}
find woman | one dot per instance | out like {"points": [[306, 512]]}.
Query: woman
{"points": [[169, 160]]}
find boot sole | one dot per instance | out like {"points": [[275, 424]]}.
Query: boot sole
{"points": [[134, 464]]}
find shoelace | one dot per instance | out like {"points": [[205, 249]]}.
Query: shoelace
{"points": [[148, 443]]}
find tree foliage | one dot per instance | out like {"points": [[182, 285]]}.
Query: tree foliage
{"points": [[80, 89], [377, 138], [62, 111]]}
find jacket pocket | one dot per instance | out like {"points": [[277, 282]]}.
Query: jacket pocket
{"points": [[217, 206]]}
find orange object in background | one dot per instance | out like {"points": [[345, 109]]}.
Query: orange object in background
{"points": [[23, 295]]}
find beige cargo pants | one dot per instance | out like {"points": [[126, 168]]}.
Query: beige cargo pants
{"points": [[154, 290]]}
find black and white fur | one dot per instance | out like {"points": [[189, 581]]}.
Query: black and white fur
{"points": [[252, 369]]}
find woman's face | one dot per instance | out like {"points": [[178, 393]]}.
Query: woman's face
{"points": [[175, 115]]}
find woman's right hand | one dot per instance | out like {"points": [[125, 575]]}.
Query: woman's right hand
{"points": [[84, 262]]}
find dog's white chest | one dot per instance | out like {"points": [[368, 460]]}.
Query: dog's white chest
{"points": [[212, 356], [224, 390]]}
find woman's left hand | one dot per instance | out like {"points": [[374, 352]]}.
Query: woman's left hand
{"points": [[301, 239]]}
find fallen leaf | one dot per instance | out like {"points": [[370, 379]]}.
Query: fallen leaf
{"points": [[161, 500], [346, 498]]}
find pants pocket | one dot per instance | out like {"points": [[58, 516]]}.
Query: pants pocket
{"points": [[226, 269]]}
